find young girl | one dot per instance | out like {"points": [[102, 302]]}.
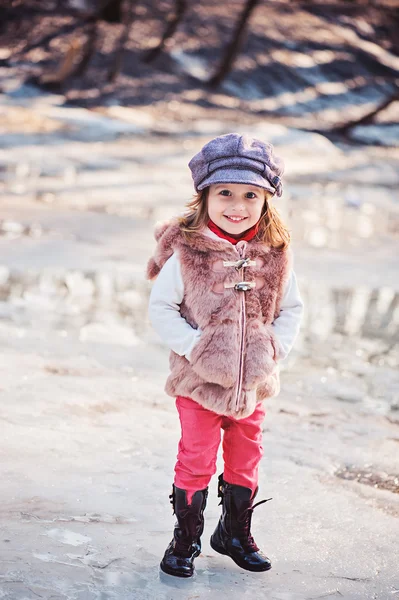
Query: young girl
{"points": [[227, 303]]}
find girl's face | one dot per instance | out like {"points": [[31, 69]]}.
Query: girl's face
{"points": [[235, 207]]}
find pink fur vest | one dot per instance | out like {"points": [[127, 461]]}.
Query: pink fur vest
{"points": [[234, 364]]}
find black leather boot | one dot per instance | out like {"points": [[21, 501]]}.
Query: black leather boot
{"points": [[179, 556], [232, 535]]}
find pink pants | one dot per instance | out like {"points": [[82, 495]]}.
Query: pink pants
{"points": [[199, 443]]}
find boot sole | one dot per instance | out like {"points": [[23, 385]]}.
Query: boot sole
{"points": [[221, 550], [174, 573]]}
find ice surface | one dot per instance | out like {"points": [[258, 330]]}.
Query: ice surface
{"points": [[88, 435]]}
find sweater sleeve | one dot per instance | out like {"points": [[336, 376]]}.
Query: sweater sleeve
{"points": [[164, 310], [286, 325]]}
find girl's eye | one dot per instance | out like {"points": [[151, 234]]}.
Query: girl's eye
{"points": [[250, 195], [225, 192]]}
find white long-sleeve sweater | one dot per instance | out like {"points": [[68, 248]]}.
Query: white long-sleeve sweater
{"points": [[164, 312]]}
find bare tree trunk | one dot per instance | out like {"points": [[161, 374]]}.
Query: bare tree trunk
{"points": [[180, 9], [112, 11], [89, 50], [128, 19], [55, 79], [69, 67], [234, 47]]}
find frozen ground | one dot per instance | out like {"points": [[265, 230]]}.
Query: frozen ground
{"points": [[88, 436]]}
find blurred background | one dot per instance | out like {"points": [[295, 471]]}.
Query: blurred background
{"points": [[102, 105]]}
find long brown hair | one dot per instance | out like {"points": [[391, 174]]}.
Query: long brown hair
{"points": [[272, 231]]}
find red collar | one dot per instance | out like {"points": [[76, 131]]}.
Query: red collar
{"points": [[246, 236]]}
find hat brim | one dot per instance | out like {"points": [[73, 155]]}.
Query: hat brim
{"points": [[236, 176]]}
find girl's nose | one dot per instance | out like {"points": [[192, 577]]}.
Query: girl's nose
{"points": [[238, 203]]}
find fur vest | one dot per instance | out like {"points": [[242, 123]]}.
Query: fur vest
{"points": [[234, 364]]}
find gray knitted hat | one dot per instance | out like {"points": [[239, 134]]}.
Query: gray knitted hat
{"points": [[235, 158]]}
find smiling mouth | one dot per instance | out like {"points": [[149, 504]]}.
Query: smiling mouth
{"points": [[235, 219]]}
